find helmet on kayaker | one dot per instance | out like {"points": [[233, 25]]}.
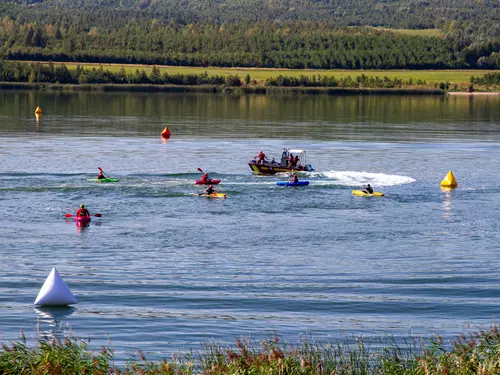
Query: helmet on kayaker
{"points": [[212, 186], [82, 206]]}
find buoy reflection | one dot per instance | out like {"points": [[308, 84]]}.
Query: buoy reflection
{"points": [[52, 321]]}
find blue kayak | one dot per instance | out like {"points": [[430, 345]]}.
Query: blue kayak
{"points": [[287, 183]]}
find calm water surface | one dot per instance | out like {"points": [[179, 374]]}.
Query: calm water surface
{"points": [[164, 271]]}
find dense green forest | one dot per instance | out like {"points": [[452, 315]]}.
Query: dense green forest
{"points": [[325, 34]]}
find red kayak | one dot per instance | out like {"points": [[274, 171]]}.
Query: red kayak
{"points": [[82, 219], [208, 182]]}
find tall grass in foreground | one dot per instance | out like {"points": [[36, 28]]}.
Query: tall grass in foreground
{"points": [[478, 354]]}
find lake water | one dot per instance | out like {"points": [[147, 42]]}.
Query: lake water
{"points": [[164, 271]]}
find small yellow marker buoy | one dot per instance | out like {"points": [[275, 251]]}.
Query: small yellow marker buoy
{"points": [[449, 181], [38, 111]]}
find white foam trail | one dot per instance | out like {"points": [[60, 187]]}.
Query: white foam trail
{"points": [[352, 178]]}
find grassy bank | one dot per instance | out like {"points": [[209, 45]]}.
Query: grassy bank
{"points": [[459, 77], [477, 354]]}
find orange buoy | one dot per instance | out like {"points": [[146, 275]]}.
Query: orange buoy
{"points": [[165, 133], [38, 111], [449, 181]]}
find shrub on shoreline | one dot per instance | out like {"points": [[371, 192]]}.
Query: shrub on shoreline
{"points": [[477, 354]]}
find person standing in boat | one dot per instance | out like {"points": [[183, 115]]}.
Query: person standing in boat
{"points": [[262, 157], [367, 189], [290, 160], [284, 157]]}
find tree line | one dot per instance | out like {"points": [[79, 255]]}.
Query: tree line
{"points": [[293, 45], [322, 34], [52, 73], [61, 74]]}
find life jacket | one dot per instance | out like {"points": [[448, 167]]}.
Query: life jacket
{"points": [[82, 212]]}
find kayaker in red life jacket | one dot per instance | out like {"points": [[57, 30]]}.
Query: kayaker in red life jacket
{"points": [[205, 178], [210, 190], [101, 175], [293, 178], [82, 211]]}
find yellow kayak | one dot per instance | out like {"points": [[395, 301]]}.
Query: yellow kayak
{"points": [[213, 195], [361, 193]]}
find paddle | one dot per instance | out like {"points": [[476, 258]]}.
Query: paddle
{"points": [[201, 170], [69, 215]]}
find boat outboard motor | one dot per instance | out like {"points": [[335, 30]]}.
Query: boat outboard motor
{"points": [[308, 168]]}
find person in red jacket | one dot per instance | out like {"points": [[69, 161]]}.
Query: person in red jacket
{"points": [[82, 212], [205, 178], [101, 175], [262, 157]]}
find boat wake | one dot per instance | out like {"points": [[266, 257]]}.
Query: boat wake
{"points": [[352, 178]]}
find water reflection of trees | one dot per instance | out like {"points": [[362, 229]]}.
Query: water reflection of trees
{"points": [[384, 117]]}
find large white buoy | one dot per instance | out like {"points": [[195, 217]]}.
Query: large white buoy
{"points": [[54, 292]]}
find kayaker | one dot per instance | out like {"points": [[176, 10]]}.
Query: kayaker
{"points": [[293, 178], [261, 157], [101, 175], [205, 178], [368, 189], [82, 211], [210, 190]]}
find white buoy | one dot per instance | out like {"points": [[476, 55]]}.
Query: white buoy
{"points": [[54, 292]]}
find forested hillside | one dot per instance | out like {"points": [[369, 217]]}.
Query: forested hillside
{"points": [[350, 34], [388, 13]]}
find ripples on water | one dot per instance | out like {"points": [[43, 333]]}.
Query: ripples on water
{"points": [[164, 270]]}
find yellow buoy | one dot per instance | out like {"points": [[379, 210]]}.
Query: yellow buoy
{"points": [[449, 181], [38, 110]]}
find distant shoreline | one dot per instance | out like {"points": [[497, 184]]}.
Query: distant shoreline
{"points": [[261, 90], [474, 93]]}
